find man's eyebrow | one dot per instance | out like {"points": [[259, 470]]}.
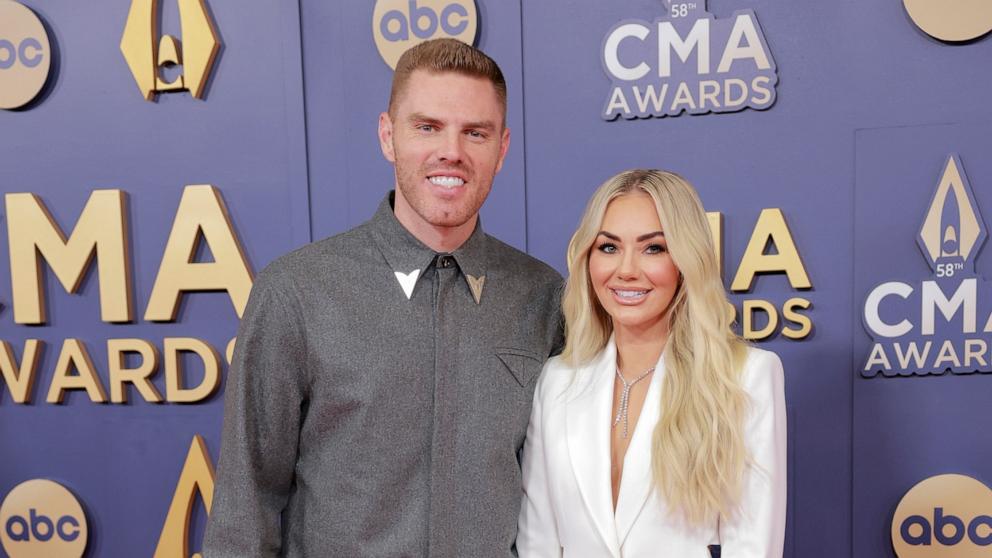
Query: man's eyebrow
{"points": [[420, 117], [481, 125]]}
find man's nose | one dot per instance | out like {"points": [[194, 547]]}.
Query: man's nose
{"points": [[451, 148]]}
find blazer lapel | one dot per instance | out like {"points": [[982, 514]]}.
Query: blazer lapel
{"points": [[636, 483], [588, 434]]}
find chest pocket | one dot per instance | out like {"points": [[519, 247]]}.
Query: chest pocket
{"points": [[522, 364]]}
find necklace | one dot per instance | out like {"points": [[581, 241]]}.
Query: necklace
{"points": [[625, 397]]}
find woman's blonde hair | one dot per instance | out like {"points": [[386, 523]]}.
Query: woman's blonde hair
{"points": [[698, 453]]}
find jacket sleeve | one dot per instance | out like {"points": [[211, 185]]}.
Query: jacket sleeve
{"points": [[537, 534], [265, 391], [757, 529]]}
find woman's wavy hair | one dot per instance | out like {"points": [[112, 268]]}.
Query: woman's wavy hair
{"points": [[698, 452]]}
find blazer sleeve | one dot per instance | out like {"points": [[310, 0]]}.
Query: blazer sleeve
{"points": [[537, 534], [757, 530], [265, 391]]}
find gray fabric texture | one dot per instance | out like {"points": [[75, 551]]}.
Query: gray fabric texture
{"points": [[361, 423]]}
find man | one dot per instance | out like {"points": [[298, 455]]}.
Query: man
{"points": [[383, 378]]}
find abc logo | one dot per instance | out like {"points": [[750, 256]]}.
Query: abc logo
{"points": [[951, 20], [25, 55], [41, 518], [398, 25], [944, 516]]}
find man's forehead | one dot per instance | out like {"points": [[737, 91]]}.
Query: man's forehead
{"points": [[433, 98], [425, 78], [422, 79]]}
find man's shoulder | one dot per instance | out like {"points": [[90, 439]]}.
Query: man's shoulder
{"points": [[504, 257], [318, 258]]}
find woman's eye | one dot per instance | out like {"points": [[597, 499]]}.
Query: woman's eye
{"points": [[655, 249], [607, 248]]}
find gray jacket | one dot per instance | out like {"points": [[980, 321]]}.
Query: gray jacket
{"points": [[379, 397]]}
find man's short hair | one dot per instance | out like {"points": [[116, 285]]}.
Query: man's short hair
{"points": [[447, 55]]}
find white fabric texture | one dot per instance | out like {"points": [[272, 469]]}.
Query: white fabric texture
{"points": [[567, 506]]}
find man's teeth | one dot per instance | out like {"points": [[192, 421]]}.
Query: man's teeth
{"points": [[447, 181], [629, 294]]}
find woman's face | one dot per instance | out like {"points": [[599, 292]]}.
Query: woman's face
{"points": [[630, 268]]}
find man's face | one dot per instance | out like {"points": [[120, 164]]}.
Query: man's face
{"points": [[446, 137]]}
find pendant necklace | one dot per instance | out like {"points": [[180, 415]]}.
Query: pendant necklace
{"points": [[625, 397]]}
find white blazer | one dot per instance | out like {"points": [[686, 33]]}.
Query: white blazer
{"points": [[567, 507]]}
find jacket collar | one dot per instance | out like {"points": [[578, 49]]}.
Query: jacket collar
{"points": [[588, 426], [589, 413], [637, 482], [410, 258]]}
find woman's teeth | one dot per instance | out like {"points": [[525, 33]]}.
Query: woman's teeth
{"points": [[629, 294]]}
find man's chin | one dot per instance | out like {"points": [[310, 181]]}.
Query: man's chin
{"points": [[449, 221]]}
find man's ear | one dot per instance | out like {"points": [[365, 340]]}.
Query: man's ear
{"points": [[504, 146], [386, 137]]}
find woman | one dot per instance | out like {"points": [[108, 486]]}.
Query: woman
{"points": [[657, 432]]}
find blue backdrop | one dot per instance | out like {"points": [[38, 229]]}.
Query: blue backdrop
{"points": [[868, 108]]}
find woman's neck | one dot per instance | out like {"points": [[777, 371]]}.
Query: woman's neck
{"points": [[639, 350]]}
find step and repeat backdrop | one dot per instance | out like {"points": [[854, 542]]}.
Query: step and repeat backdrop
{"points": [[156, 154]]}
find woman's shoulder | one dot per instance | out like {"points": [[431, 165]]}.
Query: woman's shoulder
{"points": [[762, 370], [556, 372], [761, 358], [556, 365], [557, 377]]}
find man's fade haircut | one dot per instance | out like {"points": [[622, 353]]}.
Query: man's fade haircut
{"points": [[438, 56]]}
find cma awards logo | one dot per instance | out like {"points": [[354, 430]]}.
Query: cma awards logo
{"points": [[42, 518], [951, 20], [687, 61], [944, 516], [148, 54], [938, 324], [398, 25], [25, 55]]}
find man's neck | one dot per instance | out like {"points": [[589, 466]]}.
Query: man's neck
{"points": [[445, 239], [439, 239]]}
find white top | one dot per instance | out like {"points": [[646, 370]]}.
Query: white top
{"points": [[567, 507]]}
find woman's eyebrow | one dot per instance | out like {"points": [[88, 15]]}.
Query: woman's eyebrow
{"points": [[641, 238], [644, 237]]}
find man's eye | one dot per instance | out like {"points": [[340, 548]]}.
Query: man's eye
{"points": [[425, 127], [607, 248], [476, 134]]}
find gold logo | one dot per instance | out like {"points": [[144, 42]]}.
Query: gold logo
{"points": [[475, 284], [147, 54], [951, 20], [942, 517], [952, 230], [197, 477], [25, 55], [40, 518], [398, 25]]}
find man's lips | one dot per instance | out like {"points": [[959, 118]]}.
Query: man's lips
{"points": [[446, 181]]}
